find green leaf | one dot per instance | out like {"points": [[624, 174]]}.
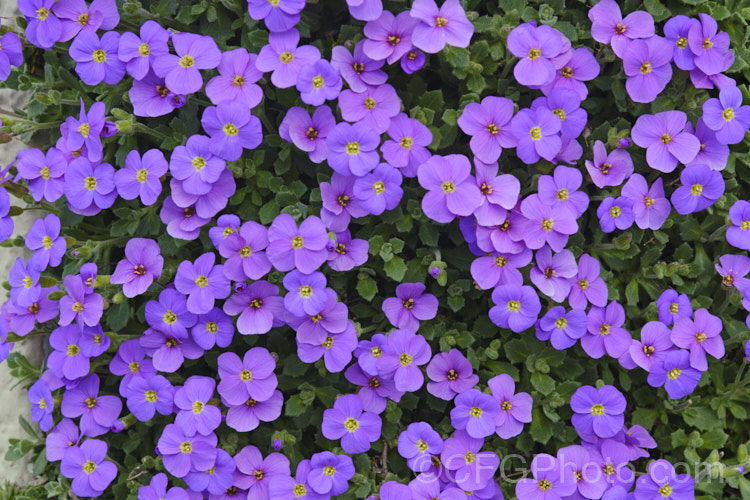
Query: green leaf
{"points": [[701, 417], [118, 315], [294, 406], [366, 287], [542, 383], [395, 268]]}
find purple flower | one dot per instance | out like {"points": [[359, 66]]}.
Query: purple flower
{"points": [[538, 136], [374, 107], [647, 63], [379, 190], [157, 490], [97, 59], [285, 487], [97, 413], [544, 224], [515, 409], [389, 36], [587, 286], [225, 225], [284, 58], [469, 468], [452, 191], [358, 70], [202, 282], [475, 413], [711, 49], [75, 16], [168, 352], [726, 116], [332, 318], [146, 396], [209, 204], [549, 482], [405, 353], [488, 124], [612, 457], [181, 453], [43, 173], [738, 235], [140, 177], [24, 281], [151, 97], [606, 332], [536, 46], [139, 52], [194, 413], [654, 343], [417, 444], [329, 473], [11, 54], [712, 152], [41, 311], [213, 328], [278, 16], [412, 61], [303, 247], [310, 133], [306, 293], [195, 165], [561, 328], [259, 307], [499, 194], [615, 213], [566, 105], [581, 67], [63, 437], [598, 411], [84, 133], [673, 371], [231, 128], [552, 272], [142, 266], [86, 466], [347, 253], [44, 28], [676, 31], [42, 405], [410, 306], [89, 189], [45, 241], [673, 306], [251, 378], [701, 188], [318, 82], [650, 207], [701, 335], [560, 191], [374, 390], [663, 481], [609, 169], [347, 421], [352, 149], [170, 314], [335, 349], [236, 79], [499, 269], [339, 202], [407, 148], [67, 359], [254, 473], [244, 252], [365, 10], [247, 416], [575, 461], [665, 142], [447, 25], [84, 308], [515, 307], [218, 479], [609, 27], [181, 72]]}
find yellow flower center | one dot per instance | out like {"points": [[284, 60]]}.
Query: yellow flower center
{"points": [[408, 304], [201, 281], [448, 187], [227, 231], [328, 342], [440, 22], [141, 175], [352, 148], [707, 43], [535, 54], [492, 129], [609, 469], [212, 327], [299, 490], [666, 139], [674, 373], [169, 318], [100, 56], [34, 308], [514, 306], [646, 68], [620, 29], [648, 350], [186, 447], [305, 291], [144, 50], [44, 173], [560, 114], [238, 80], [90, 183], [696, 190], [605, 329], [42, 14], [230, 130], [343, 200], [506, 405], [198, 407], [475, 412], [548, 224], [134, 367], [84, 129], [379, 187], [544, 485], [376, 352], [745, 225], [405, 359], [328, 470], [47, 242], [90, 403], [700, 337], [469, 458], [583, 284], [406, 142], [605, 168], [198, 163], [567, 72], [452, 374], [728, 114], [351, 424], [674, 308], [597, 410], [561, 323], [500, 261], [370, 103], [246, 375], [89, 467], [83, 19], [318, 82], [256, 303], [360, 67], [186, 61], [311, 133], [171, 343], [286, 57], [562, 195], [648, 201], [681, 42], [42, 404], [615, 212], [422, 446], [665, 490], [77, 307], [245, 252], [28, 282], [73, 350], [151, 396], [536, 133]]}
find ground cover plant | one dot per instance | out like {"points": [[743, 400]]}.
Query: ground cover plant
{"points": [[380, 249]]}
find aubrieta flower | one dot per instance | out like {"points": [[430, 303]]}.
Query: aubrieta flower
{"points": [[475, 412], [151, 97], [142, 266], [447, 25], [249, 378], [168, 352], [365, 10], [664, 139], [516, 307], [470, 468], [141, 176], [405, 353], [374, 390], [379, 190], [726, 116], [209, 204], [537, 47], [647, 63], [410, 306], [566, 105], [215, 328], [560, 190], [97, 59], [576, 461], [352, 149], [303, 247], [330, 474], [655, 342], [194, 413], [712, 152], [488, 124], [609, 169], [45, 241], [202, 282], [650, 207], [701, 187], [231, 128], [339, 202], [673, 306], [662, 481], [358, 70], [41, 311], [75, 16], [181, 72], [389, 36], [498, 269], [346, 252], [146, 396], [42, 405], [43, 172], [417, 444], [43, 28], [244, 251], [515, 408], [63, 437], [335, 349], [157, 490], [612, 459], [318, 82], [615, 213], [676, 31], [598, 412], [85, 308], [97, 413], [247, 416], [499, 193], [710, 48], [286, 487], [587, 286], [673, 371], [195, 165], [549, 481], [348, 422], [552, 272], [608, 26], [407, 147], [236, 79], [738, 234], [24, 281], [374, 107], [11, 54], [310, 133], [581, 67], [139, 52], [225, 225], [87, 467], [259, 307], [452, 190], [606, 332], [332, 318], [85, 133], [170, 314], [450, 373], [181, 453], [306, 293], [537, 132], [284, 58], [89, 189], [560, 328], [67, 359], [278, 16], [545, 225], [216, 480], [700, 335]]}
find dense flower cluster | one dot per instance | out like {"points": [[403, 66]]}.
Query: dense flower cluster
{"points": [[256, 278]]}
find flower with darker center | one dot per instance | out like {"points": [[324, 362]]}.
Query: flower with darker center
{"points": [[77, 307], [604, 330], [299, 490], [162, 90], [351, 424], [728, 281], [609, 469], [238, 80], [379, 187], [536, 133], [469, 458], [144, 50], [475, 412], [674, 373], [89, 467], [500, 261], [562, 194], [448, 187], [34, 308], [198, 407], [376, 352], [44, 172], [134, 367], [696, 190], [256, 303], [90, 403], [186, 447], [535, 54], [452, 374], [42, 14], [579, 476], [139, 270], [548, 224], [230, 130], [298, 242], [422, 446], [700, 337], [286, 57], [567, 72], [245, 252], [171, 343], [615, 212], [343, 200], [312, 133], [486, 189], [583, 284], [549, 273], [561, 323], [201, 281], [408, 303], [728, 114], [394, 39], [328, 342], [648, 201], [374, 383], [707, 43], [341, 249], [682, 42], [605, 168], [246, 375], [597, 410], [506, 405], [73, 350], [620, 29], [440, 22], [259, 474], [251, 403], [186, 61], [560, 114], [100, 56], [648, 350], [405, 359], [318, 82], [329, 471], [358, 67], [83, 19], [514, 306], [352, 148], [666, 139], [492, 129], [90, 183], [411, 55], [151, 396], [305, 291], [646, 68], [665, 490], [370, 103], [544, 485]]}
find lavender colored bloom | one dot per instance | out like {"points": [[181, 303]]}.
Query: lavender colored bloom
{"points": [[139, 52], [365, 10], [358, 70], [278, 16], [61, 439], [606, 332], [537, 47], [379, 190], [352, 149], [587, 286], [650, 207], [417, 444], [374, 107], [44, 28], [202, 282], [250, 378], [310, 133], [475, 413], [140, 177], [712, 152], [181, 453], [336, 349], [615, 213], [655, 342], [575, 462], [374, 390], [738, 235], [86, 466], [515, 307], [84, 133], [499, 194], [710, 48], [499, 269], [673, 371], [84, 308], [609, 169], [168, 352], [97, 412], [43, 172], [24, 281], [488, 124], [41, 311], [254, 473], [97, 59], [11, 54], [339, 202], [75, 16], [450, 373], [284, 58], [347, 421], [561, 328], [581, 67], [329, 473], [701, 188], [470, 468], [447, 25], [612, 457], [609, 27], [389, 36], [665, 142], [673, 306], [561, 190], [552, 272], [89, 189], [347, 253], [701, 335], [285, 487], [318, 82], [247, 416], [42, 405], [181, 72], [515, 408], [546, 225], [213, 328], [538, 136], [146, 396], [726, 116], [195, 165], [231, 128], [151, 97], [676, 30], [410, 306], [452, 191], [244, 252], [216, 480], [306, 293], [332, 318], [647, 63], [67, 359], [407, 148], [549, 481], [157, 490], [170, 314], [236, 79], [225, 225], [259, 307], [662, 481], [405, 353], [566, 105], [303, 247], [598, 411], [142, 266], [194, 413], [45, 241], [209, 204]]}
